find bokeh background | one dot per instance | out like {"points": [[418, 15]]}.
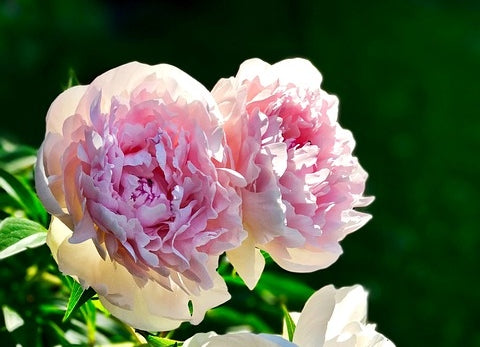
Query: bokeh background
{"points": [[406, 73]]}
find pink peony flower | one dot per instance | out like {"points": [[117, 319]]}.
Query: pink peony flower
{"points": [[131, 168], [303, 182]]}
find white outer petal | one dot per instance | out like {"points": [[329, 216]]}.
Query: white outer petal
{"points": [[248, 262], [241, 339], [168, 79], [46, 166], [351, 307], [313, 321], [147, 306], [337, 317], [63, 107], [298, 71], [42, 188], [302, 260]]}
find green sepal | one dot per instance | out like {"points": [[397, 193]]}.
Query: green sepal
{"points": [[78, 297]]}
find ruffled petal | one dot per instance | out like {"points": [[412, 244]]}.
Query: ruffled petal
{"points": [[145, 305]]}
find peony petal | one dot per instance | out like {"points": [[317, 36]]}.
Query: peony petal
{"points": [[336, 317], [313, 321], [248, 262], [149, 307], [63, 107], [240, 339], [297, 71], [351, 307], [302, 259], [163, 79], [252, 68], [213, 297], [43, 189], [263, 215]]}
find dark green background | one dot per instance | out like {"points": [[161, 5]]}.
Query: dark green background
{"points": [[406, 73]]}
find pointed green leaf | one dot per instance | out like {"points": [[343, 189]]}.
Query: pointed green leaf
{"points": [[19, 234], [289, 323], [161, 341], [24, 195], [78, 297], [72, 79]]}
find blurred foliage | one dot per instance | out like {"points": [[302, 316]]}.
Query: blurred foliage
{"points": [[406, 74]]}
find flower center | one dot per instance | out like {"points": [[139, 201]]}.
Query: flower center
{"points": [[146, 191]]}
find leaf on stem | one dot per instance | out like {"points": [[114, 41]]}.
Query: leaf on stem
{"points": [[290, 324], [78, 297], [72, 79], [19, 234]]}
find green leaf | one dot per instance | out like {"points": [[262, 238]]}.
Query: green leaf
{"points": [[24, 195], [19, 234], [161, 341], [289, 323], [78, 297], [12, 319], [72, 79]]}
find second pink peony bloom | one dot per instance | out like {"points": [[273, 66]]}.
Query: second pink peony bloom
{"points": [[303, 183]]}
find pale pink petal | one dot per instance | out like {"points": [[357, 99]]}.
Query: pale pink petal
{"points": [[43, 189], [63, 107], [297, 71], [162, 79], [303, 260], [247, 261], [263, 214], [148, 307]]}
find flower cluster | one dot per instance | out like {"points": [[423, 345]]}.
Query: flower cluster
{"points": [[150, 178]]}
